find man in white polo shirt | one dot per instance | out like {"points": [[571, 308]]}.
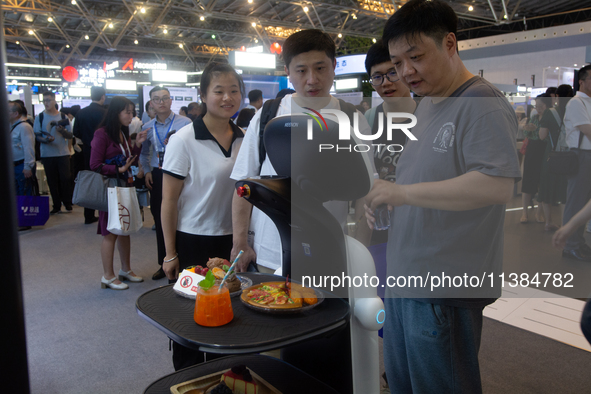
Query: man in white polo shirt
{"points": [[310, 62], [577, 123]]}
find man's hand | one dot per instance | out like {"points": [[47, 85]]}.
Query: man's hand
{"points": [[27, 173], [148, 180], [385, 192], [248, 256]]}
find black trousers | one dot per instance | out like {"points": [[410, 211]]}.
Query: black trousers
{"points": [[196, 250], [88, 213], [155, 207], [59, 179]]}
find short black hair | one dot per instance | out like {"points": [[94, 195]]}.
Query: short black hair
{"points": [[22, 103], [19, 108], [148, 104], [551, 90], [433, 18], [49, 94], [546, 99], [97, 92], [157, 89], [186, 109], [194, 105], [306, 41], [255, 95], [377, 54], [584, 72], [564, 91], [214, 69], [244, 117]]}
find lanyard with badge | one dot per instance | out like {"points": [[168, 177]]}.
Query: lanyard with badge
{"points": [[161, 152]]}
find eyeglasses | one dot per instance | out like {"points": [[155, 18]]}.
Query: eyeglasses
{"points": [[378, 79], [159, 100]]}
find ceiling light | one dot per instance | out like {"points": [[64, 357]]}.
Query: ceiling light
{"points": [[29, 17], [50, 19], [143, 10], [135, 42], [110, 25], [504, 16], [305, 9], [354, 16], [340, 35], [470, 8], [86, 37], [73, 2], [31, 32], [254, 24], [249, 1], [165, 31], [256, 40], [575, 64], [18, 42], [201, 18], [213, 36], [67, 45], [374, 40], [181, 46]]}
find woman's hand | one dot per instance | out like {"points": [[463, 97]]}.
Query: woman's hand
{"points": [[141, 137], [127, 164], [171, 268]]}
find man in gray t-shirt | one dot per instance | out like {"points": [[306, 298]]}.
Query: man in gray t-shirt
{"points": [[449, 199], [55, 152]]}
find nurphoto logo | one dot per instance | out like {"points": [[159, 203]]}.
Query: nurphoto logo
{"points": [[394, 121]]}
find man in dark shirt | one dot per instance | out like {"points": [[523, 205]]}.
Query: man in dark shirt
{"points": [[87, 121]]}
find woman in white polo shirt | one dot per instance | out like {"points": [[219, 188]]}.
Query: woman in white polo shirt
{"points": [[197, 190]]}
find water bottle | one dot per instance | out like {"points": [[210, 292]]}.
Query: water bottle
{"points": [[381, 214]]}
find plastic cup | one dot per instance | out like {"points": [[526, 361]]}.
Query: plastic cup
{"points": [[213, 307]]}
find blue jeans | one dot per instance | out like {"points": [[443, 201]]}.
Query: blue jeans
{"points": [[24, 186], [431, 348]]}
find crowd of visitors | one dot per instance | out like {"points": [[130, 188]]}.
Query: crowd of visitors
{"points": [[452, 183]]}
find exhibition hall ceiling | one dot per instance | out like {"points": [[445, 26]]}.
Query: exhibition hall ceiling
{"points": [[190, 33]]}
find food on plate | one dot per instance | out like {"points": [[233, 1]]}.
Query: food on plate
{"points": [[218, 273], [219, 267], [216, 265], [221, 388], [240, 381], [274, 294]]}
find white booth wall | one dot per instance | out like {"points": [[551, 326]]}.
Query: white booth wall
{"points": [[520, 55], [504, 69]]}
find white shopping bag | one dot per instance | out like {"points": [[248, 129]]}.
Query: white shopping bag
{"points": [[124, 211]]}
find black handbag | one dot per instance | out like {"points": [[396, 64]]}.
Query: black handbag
{"points": [[563, 163], [91, 190]]}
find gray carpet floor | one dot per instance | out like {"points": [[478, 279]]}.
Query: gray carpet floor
{"points": [[84, 339]]}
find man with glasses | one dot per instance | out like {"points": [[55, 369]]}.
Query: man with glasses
{"points": [[396, 96], [577, 123], [159, 129], [53, 130]]}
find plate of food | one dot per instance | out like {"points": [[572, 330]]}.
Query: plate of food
{"points": [[219, 267], [277, 297]]}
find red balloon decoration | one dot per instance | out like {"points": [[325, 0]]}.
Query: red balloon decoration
{"points": [[70, 74]]}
